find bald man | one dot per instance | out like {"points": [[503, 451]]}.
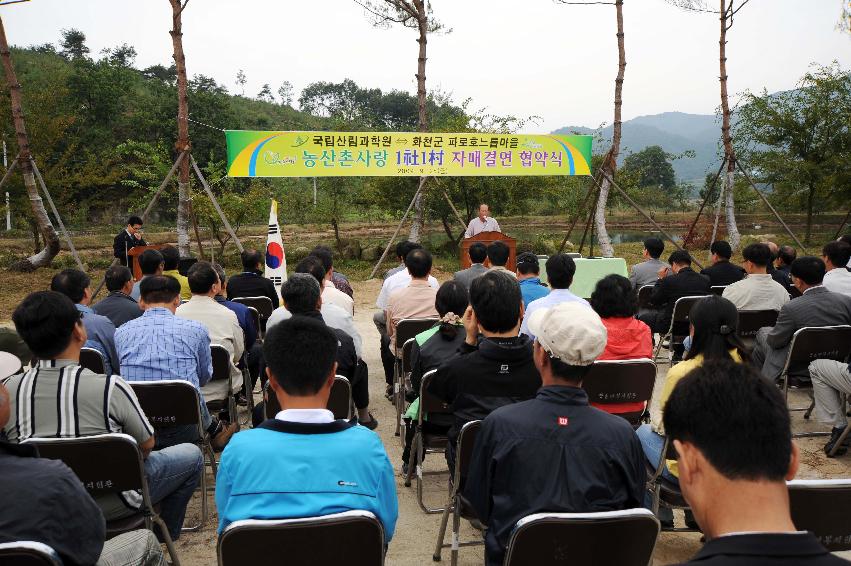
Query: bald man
{"points": [[482, 223]]}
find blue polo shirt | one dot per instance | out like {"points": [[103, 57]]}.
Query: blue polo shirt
{"points": [[532, 289]]}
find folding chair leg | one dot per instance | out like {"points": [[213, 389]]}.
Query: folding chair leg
{"points": [[662, 339], [169, 544], [204, 512], [456, 531], [441, 534], [412, 465], [397, 393], [839, 441]]}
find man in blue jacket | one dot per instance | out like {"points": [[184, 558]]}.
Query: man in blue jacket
{"points": [[303, 463]]}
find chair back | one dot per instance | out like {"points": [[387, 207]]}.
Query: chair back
{"points": [[263, 306], [92, 360], [626, 538], [28, 553], [717, 289], [104, 463], [171, 402], [407, 348], [621, 381], [751, 321], [821, 507], [354, 538], [819, 343], [221, 362], [340, 400], [407, 328], [680, 317], [428, 402], [255, 317], [464, 454], [644, 293]]}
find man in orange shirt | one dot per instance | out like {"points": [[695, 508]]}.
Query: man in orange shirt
{"points": [[414, 301]]}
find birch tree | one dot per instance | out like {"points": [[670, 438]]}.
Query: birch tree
{"points": [[184, 202]]}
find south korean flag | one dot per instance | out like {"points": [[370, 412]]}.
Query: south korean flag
{"points": [[276, 257]]}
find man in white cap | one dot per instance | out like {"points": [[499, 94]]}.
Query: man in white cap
{"points": [[554, 452]]}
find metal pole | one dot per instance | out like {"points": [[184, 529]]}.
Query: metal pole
{"points": [[399, 227], [9, 172], [314, 191], [215, 204], [5, 163], [705, 200], [56, 214], [576, 217], [8, 213], [841, 226]]}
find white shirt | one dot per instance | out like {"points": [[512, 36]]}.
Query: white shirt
{"points": [[334, 316], [838, 280], [476, 226], [397, 281], [555, 297], [311, 416], [334, 296], [757, 292]]}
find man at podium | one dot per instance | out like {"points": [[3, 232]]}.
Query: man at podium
{"points": [[128, 238], [482, 223]]}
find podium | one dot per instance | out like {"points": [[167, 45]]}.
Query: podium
{"points": [[137, 251], [488, 238]]}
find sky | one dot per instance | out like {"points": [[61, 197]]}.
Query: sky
{"points": [[513, 57]]}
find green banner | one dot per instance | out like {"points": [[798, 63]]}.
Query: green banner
{"points": [[393, 154]]}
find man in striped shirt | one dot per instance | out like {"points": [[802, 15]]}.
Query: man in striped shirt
{"points": [[60, 399]]}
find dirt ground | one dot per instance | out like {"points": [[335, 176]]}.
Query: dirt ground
{"points": [[416, 532]]}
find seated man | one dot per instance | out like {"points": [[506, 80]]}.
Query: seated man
{"points": [[647, 272], [831, 380], [815, 307], [498, 254], [303, 463], [58, 398], [781, 277], [528, 271], [118, 306], [836, 256], [497, 371], [39, 493], [253, 348], [160, 346], [722, 272], [402, 249], [560, 271], [251, 283], [758, 291], [171, 261], [340, 281], [151, 262], [416, 299], [221, 324], [330, 293], [678, 281], [76, 285], [735, 482], [785, 256], [477, 252], [527, 455]]}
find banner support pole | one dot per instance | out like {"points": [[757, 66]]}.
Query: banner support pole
{"points": [[399, 227]]}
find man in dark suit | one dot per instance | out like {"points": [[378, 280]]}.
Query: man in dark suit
{"points": [[478, 252], [251, 283], [118, 306], [722, 272], [128, 238], [815, 307], [680, 280]]}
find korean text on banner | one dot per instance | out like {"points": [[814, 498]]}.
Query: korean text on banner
{"points": [[276, 257], [343, 154]]}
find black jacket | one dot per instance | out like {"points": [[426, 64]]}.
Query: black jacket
{"points": [[552, 453], [766, 549], [724, 273], [434, 352], [347, 358], [119, 250], [498, 372], [682, 284], [118, 307], [781, 275], [252, 284]]}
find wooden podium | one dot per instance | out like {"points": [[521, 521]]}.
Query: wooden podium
{"points": [[488, 238], [137, 251]]}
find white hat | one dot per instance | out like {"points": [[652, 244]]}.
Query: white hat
{"points": [[571, 332], [9, 364]]}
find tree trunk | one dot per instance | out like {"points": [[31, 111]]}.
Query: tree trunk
{"points": [[422, 125], [183, 199], [810, 199], [729, 152], [45, 226], [610, 164]]}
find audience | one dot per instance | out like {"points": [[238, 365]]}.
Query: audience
{"points": [[340, 281], [722, 272], [330, 294], [817, 306], [171, 261], [253, 350], [478, 252], [560, 271], [398, 280], [221, 324], [528, 271], [495, 371], [554, 453], [159, 346], [251, 283], [680, 280], [402, 249], [303, 463], [151, 262], [758, 291], [712, 328], [58, 398], [100, 331], [498, 254], [733, 469], [431, 349], [836, 256], [40, 494], [785, 256], [831, 381], [782, 277], [615, 301], [647, 272], [118, 306]]}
